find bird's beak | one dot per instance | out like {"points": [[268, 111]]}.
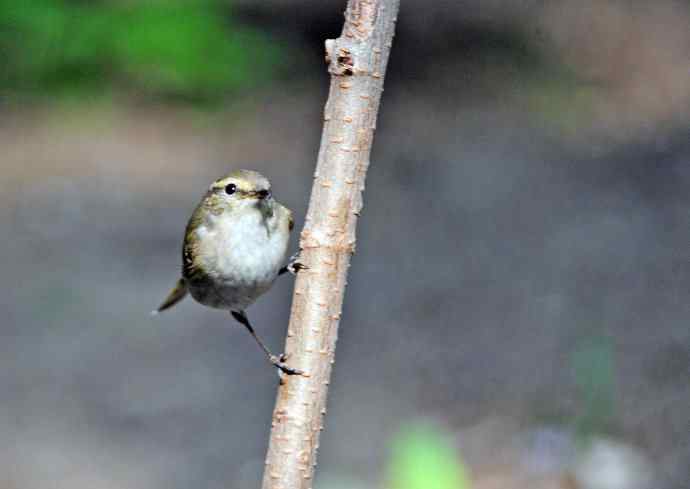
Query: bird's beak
{"points": [[265, 202], [264, 195]]}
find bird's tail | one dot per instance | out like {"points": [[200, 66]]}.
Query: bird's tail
{"points": [[178, 292]]}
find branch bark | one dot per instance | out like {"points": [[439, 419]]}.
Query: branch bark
{"points": [[357, 63]]}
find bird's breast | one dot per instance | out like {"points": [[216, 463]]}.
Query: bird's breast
{"points": [[243, 251]]}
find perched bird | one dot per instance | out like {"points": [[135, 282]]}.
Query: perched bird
{"points": [[234, 248]]}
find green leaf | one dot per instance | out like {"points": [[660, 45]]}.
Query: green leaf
{"points": [[190, 50], [422, 458]]}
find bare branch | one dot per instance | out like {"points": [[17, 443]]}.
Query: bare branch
{"points": [[357, 64]]}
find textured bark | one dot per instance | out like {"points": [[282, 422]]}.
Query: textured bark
{"points": [[357, 63]]}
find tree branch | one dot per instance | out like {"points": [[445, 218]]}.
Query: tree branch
{"points": [[357, 64]]}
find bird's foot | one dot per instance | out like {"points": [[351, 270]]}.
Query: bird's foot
{"points": [[279, 363], [293, 265]]}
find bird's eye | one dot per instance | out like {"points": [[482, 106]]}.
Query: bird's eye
{"points": [[263, 194], [230, 188]]}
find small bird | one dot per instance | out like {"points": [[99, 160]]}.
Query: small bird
{"points": [[234, 248]]}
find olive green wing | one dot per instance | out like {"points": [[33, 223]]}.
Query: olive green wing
{"points": [[191, 268]]}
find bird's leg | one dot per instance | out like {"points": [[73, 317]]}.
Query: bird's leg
{"points": [[293, 265], [277, 361]]}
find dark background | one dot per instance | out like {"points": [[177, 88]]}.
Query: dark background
{"points": [[520, 288]]}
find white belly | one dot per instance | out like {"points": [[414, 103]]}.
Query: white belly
{"points": [[244, 256]]}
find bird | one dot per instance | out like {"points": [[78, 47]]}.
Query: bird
{"points": [[234, 248]]}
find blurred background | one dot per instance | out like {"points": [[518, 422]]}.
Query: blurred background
{"points": [[517, 314]]}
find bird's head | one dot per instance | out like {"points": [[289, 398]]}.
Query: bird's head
{"points": [[242, 189]]}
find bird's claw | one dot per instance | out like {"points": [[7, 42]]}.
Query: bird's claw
{"points": [[293, 265], [279, 363]]}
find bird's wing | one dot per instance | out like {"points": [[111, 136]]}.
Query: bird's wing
{"points": [[191, 268]]}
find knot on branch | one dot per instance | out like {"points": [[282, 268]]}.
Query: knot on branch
{"points": [[340, 60]]}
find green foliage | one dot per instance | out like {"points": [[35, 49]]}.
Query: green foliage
{"points": [[175, 48], [423, 458]]}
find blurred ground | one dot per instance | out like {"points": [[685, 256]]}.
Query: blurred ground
{"points": [[521, 275]]}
